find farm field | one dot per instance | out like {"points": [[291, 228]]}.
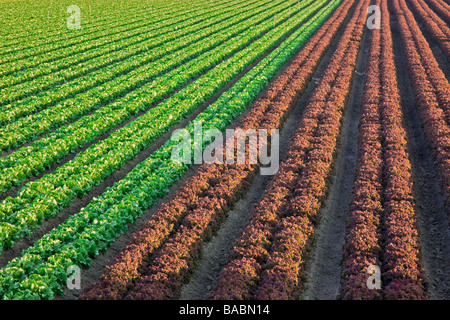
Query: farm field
{"points": [[351, 99]]}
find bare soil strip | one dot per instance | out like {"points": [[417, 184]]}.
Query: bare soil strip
{"points": [[434, 230], [324, 267], [214, 257], [215, 252]]}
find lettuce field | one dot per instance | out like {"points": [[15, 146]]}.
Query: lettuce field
{"points": [[351, 98]]}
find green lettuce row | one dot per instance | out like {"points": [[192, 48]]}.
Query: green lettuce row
{"points": [[46, 75], [67, 37], [41, 271], [23, 38], [31, 53], [44, 198], [49, 52], [122, 77], [33, 159]]}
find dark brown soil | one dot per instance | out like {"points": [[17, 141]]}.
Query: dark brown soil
{"points": [[214, 256], [324, 267]]}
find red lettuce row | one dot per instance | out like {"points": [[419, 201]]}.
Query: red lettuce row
{"points": [[437, 28], [432, 92], [118, 275], [163, 276], [183, 216], [266, 260], [362, 245], [382, 224], [442, 8]]}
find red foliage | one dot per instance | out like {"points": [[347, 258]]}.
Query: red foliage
{"points": [[442, 8], [437, 28], [119, 274], [382, 226], [296, 192]]}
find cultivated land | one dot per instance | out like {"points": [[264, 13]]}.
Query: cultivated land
{"points": [[87, 177]]}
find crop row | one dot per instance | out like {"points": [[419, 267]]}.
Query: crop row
{"points": [[432, 92], [98, 60], [382, 224], [438, 29], [197, 209], [266, 261], [124, 269], [40, 271], [34, 158]]}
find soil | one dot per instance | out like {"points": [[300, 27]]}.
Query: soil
{"points": [[214, 256], [324, 266]]}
